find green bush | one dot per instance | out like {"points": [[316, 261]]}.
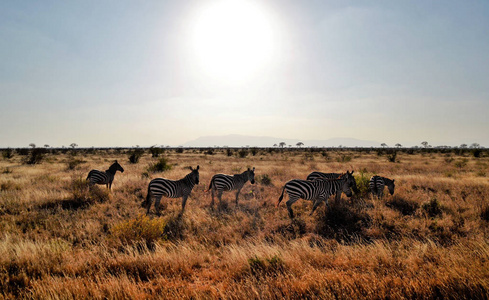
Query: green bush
{"points": [[35, 157], [155, 151], [264, 179], [161, 165], [135, 155], [7, 153], [242, 153]]}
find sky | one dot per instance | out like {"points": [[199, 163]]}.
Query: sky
{"points": [[127, 73]]}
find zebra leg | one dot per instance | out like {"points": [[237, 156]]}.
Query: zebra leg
{"points": [[157, 205], [219, 196], [237, 195], [149, 201], [184, 201], [289, 203], [212, 195], [316, 204]]}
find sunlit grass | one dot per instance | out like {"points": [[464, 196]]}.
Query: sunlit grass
{"points": [[59, 239]]}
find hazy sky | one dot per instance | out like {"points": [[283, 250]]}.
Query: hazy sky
{"points": [[126, 73]]}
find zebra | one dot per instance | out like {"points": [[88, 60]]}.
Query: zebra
{"points": [[318, 190], [352, 182], [223, 182], [377, 184], [99, 177], [159, 187]]}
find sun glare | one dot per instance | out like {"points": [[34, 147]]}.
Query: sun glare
{"points": [[232, 40]]}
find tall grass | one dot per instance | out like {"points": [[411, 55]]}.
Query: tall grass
{"points": [[61, 239]]}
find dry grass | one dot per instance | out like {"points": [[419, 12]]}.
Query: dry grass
{"points": [[61, 240]]}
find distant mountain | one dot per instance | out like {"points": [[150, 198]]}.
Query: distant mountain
{"points": [[236, 140]]}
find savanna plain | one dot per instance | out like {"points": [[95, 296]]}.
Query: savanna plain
{"points": [[59, 239]]}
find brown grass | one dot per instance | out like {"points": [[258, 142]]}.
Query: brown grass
{"points": [[59, 239]]}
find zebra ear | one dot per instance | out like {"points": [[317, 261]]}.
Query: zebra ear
{"points": [[198, 167], [393, 180], [253, 169]]}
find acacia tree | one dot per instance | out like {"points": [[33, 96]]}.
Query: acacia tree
{"points": [[425, 144], [282, 144], [398, 145], [32, 145], [299, 144], [383, 145], [73, 145]]}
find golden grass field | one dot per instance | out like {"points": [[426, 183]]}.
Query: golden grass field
{"points": [[60, 240]]}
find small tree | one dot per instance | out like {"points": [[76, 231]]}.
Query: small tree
{"points": [[398, 145], [32, 145], [463, 146], [275, 145], [425, 144], [383, 145], [46, 146], [475, 145], [299, 144], [282, 144], [73, 145]]}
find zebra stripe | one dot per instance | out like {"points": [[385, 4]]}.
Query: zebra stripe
{"points": [[159, 187], [107, 177], [316, 175], [318, 190], [377, 184], [223, 182]]}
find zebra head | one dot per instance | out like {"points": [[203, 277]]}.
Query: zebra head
{"points": [[390, 185], [116, 167], [351, 181], [346, 183], [251, 175], [194, 175]]}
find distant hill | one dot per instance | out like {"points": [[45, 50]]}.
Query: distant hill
{"points": [[236, 140]]}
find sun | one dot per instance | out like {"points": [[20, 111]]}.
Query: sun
{"points": [[232, 40]]}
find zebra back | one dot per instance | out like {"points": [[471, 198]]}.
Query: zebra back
{"points": [[224, 182], [174, 188]]}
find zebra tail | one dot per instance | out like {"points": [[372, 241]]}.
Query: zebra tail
{"points": [[281, 197], [148, 199], [210, 185]]}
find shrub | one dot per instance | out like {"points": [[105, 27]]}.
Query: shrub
{"points": [[35, 157], [73, 163], [432, 208], [254, 151], [344, 158], [7, 153], [362, 182], [343, 222], [136, 155], [266, 267], [476, 152], [461, 163], [485, 213], [404, 206], [23, 151], [155, 151], [229, 152], [264, 179], [161, 165], [242, 153], [391, 157], [179, 150], [209, 151], [84, 196], [141, 229]]}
